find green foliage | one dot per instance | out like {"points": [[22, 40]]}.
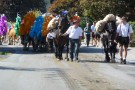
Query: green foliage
{"points": [[84, 20], [37, 13], [133, 26], [83, 24], [71, 5], [4, 53], [96, 9], [12, 7]]}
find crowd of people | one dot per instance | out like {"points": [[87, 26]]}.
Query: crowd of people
{"points": [[92, 37], [124, 37]]}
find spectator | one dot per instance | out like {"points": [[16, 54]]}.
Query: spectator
{"points": [[93, 34], [87, 31]]}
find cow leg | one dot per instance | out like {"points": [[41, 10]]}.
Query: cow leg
{"points": [[67, 51], [51, 45], [0, 40], [61, 51], [106, 49], [13, 40], [33, 44], [29, 43], [113, 52], [107, 55], [8, 41], [56, 51]]}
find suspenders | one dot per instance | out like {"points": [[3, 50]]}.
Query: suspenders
{"points": [[127, 32]]}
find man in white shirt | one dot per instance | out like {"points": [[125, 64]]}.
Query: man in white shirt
{"points": [[75, 37], [126, 32]]}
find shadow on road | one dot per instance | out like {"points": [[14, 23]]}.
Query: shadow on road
{"points": [[19, 50], [91, 61], [101, 62], [28, 69], [85, 49]]}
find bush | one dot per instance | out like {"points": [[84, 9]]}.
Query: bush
{"points": [[83, 24], [83, 21], [133, 26]]}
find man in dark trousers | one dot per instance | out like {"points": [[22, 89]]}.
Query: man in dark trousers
{"points": [[75, 37], [87, 31]]}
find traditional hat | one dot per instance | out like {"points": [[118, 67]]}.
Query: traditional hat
{"points": [[76, 19], [65, 12]]}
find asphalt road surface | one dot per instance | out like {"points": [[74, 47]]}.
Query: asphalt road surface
{"points": [[28, 70]]}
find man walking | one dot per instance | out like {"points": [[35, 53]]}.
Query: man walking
{"points": [[126, 32], [75, 37]]}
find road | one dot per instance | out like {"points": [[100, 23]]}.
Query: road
{"points": [[27, 70]]}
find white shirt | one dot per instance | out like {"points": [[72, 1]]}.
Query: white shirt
{"points": [[93, 28], [74, 33], [50, 35], [124, 30]]}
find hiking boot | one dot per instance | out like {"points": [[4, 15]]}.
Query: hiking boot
{"points": [[121, 60], [124, 61], [71, 59], [113, 61], [77, 60]]}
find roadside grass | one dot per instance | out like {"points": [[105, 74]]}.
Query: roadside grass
{"points": [[134, 40], [1, 59], [4, 53]]}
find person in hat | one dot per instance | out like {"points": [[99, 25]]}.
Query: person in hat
{"points": [[49, 39], [125, 31], [75, 37]]}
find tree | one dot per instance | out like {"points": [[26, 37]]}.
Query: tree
{"points": [[72, 6], [97, 9], [129, 5], [12, 7]]}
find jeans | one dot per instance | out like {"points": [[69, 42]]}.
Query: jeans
{"points": [[88, 37], [50, 42], [74, 48]]}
